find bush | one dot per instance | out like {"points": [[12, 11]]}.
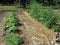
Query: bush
{"points": [[44, 15], [13, 39]]}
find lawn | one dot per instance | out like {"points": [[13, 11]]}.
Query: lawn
{"points": [[8, 7]]}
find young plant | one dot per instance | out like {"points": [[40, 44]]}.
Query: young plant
{"points": [[13, 39], [13, 28], [12, 18], [12, 22]]}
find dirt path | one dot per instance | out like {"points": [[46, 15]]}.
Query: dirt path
{"points": [[2, 17]]}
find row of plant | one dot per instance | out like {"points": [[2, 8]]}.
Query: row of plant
{"points": [[44, 15], [11, 26]]}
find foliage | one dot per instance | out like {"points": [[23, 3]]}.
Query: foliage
{"points": [[34, 9], [5, 27], [55, 28], [13, 28], [13, 39], [11, 25], [49, 2], [7, 2], [23, 2], [12, 22], [11, 17], [44, 15]]}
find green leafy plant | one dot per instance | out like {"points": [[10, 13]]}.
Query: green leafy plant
{"points": [[13, 39], [55, 28], [44, 15], [13, 28], [11, 23], [11, 18], [10, 27]]}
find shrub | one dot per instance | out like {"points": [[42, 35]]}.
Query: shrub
{"points": [[13, 39], [44, 15]]}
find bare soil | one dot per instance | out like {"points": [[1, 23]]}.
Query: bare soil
{"points": [[29, 28], [2, 17]]}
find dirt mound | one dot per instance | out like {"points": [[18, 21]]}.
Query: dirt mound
{"points": [[40, 29]]}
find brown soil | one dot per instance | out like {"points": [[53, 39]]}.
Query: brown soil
{"points": [[25, 33], [2, 17], [29, 28]]}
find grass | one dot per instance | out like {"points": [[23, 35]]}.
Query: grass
{"points": [[8, 7]]}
